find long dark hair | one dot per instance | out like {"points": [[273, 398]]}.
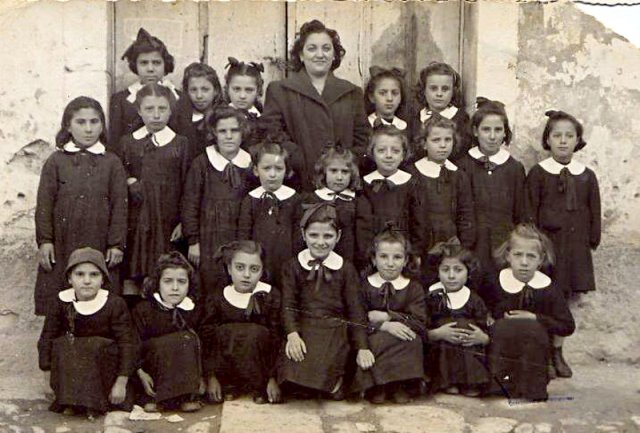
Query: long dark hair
{"points": [[64, 136]]}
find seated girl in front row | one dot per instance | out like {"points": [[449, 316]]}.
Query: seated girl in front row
{"points": [[319, 300], [87, 344], [167, 321], [529, 311], [397, 321]]}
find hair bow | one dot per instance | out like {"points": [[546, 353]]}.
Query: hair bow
{"points": [[235, 63], [311, 209], [377, 70], [446, 248], [481, 102]]}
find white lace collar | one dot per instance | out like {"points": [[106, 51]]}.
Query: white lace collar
{"points": [[333, 261], [448, 113], [241, 300], [252, 110], [86, 308], [498, 158], [160, 138], [510, 284], [398, 178], [186, 304], [196, 116], [377, 281], [135, 87], [396, 121], [97, 148], [552, 166], [327, 194], [219, 162], [431, 169], [282, 193], [455, 300]]}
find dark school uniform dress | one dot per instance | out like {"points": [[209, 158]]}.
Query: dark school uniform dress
{"points": [[159, 163], [564, 202], [388, 200], [455, 365], [353, 217], [192, 124], [124, 118], [82, 202], [171, 351], [497, 185], [463, 129], [211, 202], [272, 219], [320, 301], [395, 360], [442, 208], [243, 337], [519, 350], [86, 345]]}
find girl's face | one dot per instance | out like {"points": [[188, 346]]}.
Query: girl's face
{"points": [[453, 274], [174, 285], [525, 258], [438, 91], [85, 127], [490, 134], [86, 279], [245, 270], [562, 141], [155, 112], [201, 93], [228, 137], [388, 154], [243, 91], [271, 170], [390, 259], [150, 67], [321, 239], [439, 144], [317, 54], [386, 97], [338, 175]]}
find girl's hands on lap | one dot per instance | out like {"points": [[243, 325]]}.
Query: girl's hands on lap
{"points": [[398, 330], [47, 256], [114, 257], [147, 382], [520, 314], [365, 359], [377, 316], [295, 348], [449, 333], [475, 337], [118, 390], [176, 234], [194, 254]]}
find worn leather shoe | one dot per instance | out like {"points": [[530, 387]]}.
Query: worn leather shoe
{"points": [[562, 368]]}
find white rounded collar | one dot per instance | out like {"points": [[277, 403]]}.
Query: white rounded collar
{"points": [[455, 300], [500, 157], [241, 300], [135, 87], [333, 261], [377, 281], [159, 139], [196, 116], [327, 194], [396, 121], [431, 169], [552, 166], [448, 113], [398, 178], [97, 148], [510, 284], [186, 304], [282, 193], [86, 308], [219, 162]]}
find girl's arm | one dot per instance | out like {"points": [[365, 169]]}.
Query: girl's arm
{"points": [[118, 202], [519, 195], [289, 309], [595, 211], [532, 195], [122, 328], [363, 230], [553, 313], [115, 124], [355, 309], [45, 202], [53, 328], [245, 219], [418, 221], [465, 214], [191, 203]]}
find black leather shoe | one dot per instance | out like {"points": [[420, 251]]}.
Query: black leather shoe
{"points": [[562, 368]]}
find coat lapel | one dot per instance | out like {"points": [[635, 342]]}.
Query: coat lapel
{"points": [[334, 88]]}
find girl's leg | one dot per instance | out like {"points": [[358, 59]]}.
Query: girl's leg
{"points": [[561, 366], [376, 394]]}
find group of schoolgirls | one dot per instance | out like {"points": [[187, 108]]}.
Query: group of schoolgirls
{"points": [[438, 265]]}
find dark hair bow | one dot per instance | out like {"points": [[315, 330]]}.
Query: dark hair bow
{"points": [[447, 248], [311, 209], [481, 102], [377, 70], [235, 63], [143, 36], [552, 114]]}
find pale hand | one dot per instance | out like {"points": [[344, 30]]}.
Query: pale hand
{"points": [[194, 254], [295, 348], [118, 390], [365, 359], [398, 330], [47, 256], [114, 257], [449, 333], [147, 382], [176, 234], [377, 316], [475, 337]]}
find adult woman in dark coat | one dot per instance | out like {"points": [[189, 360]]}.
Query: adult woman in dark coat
{"points": [[314, 107]]}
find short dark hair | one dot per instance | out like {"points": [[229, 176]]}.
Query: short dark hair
{"points": [[251, 69], [226, 252], [307, 29], [373, 82], [227, 112], [486, 108], [197, 70], [556, 116], [439, 68], [172, 260], [145, 43], [155, 89], [64, 136]]}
